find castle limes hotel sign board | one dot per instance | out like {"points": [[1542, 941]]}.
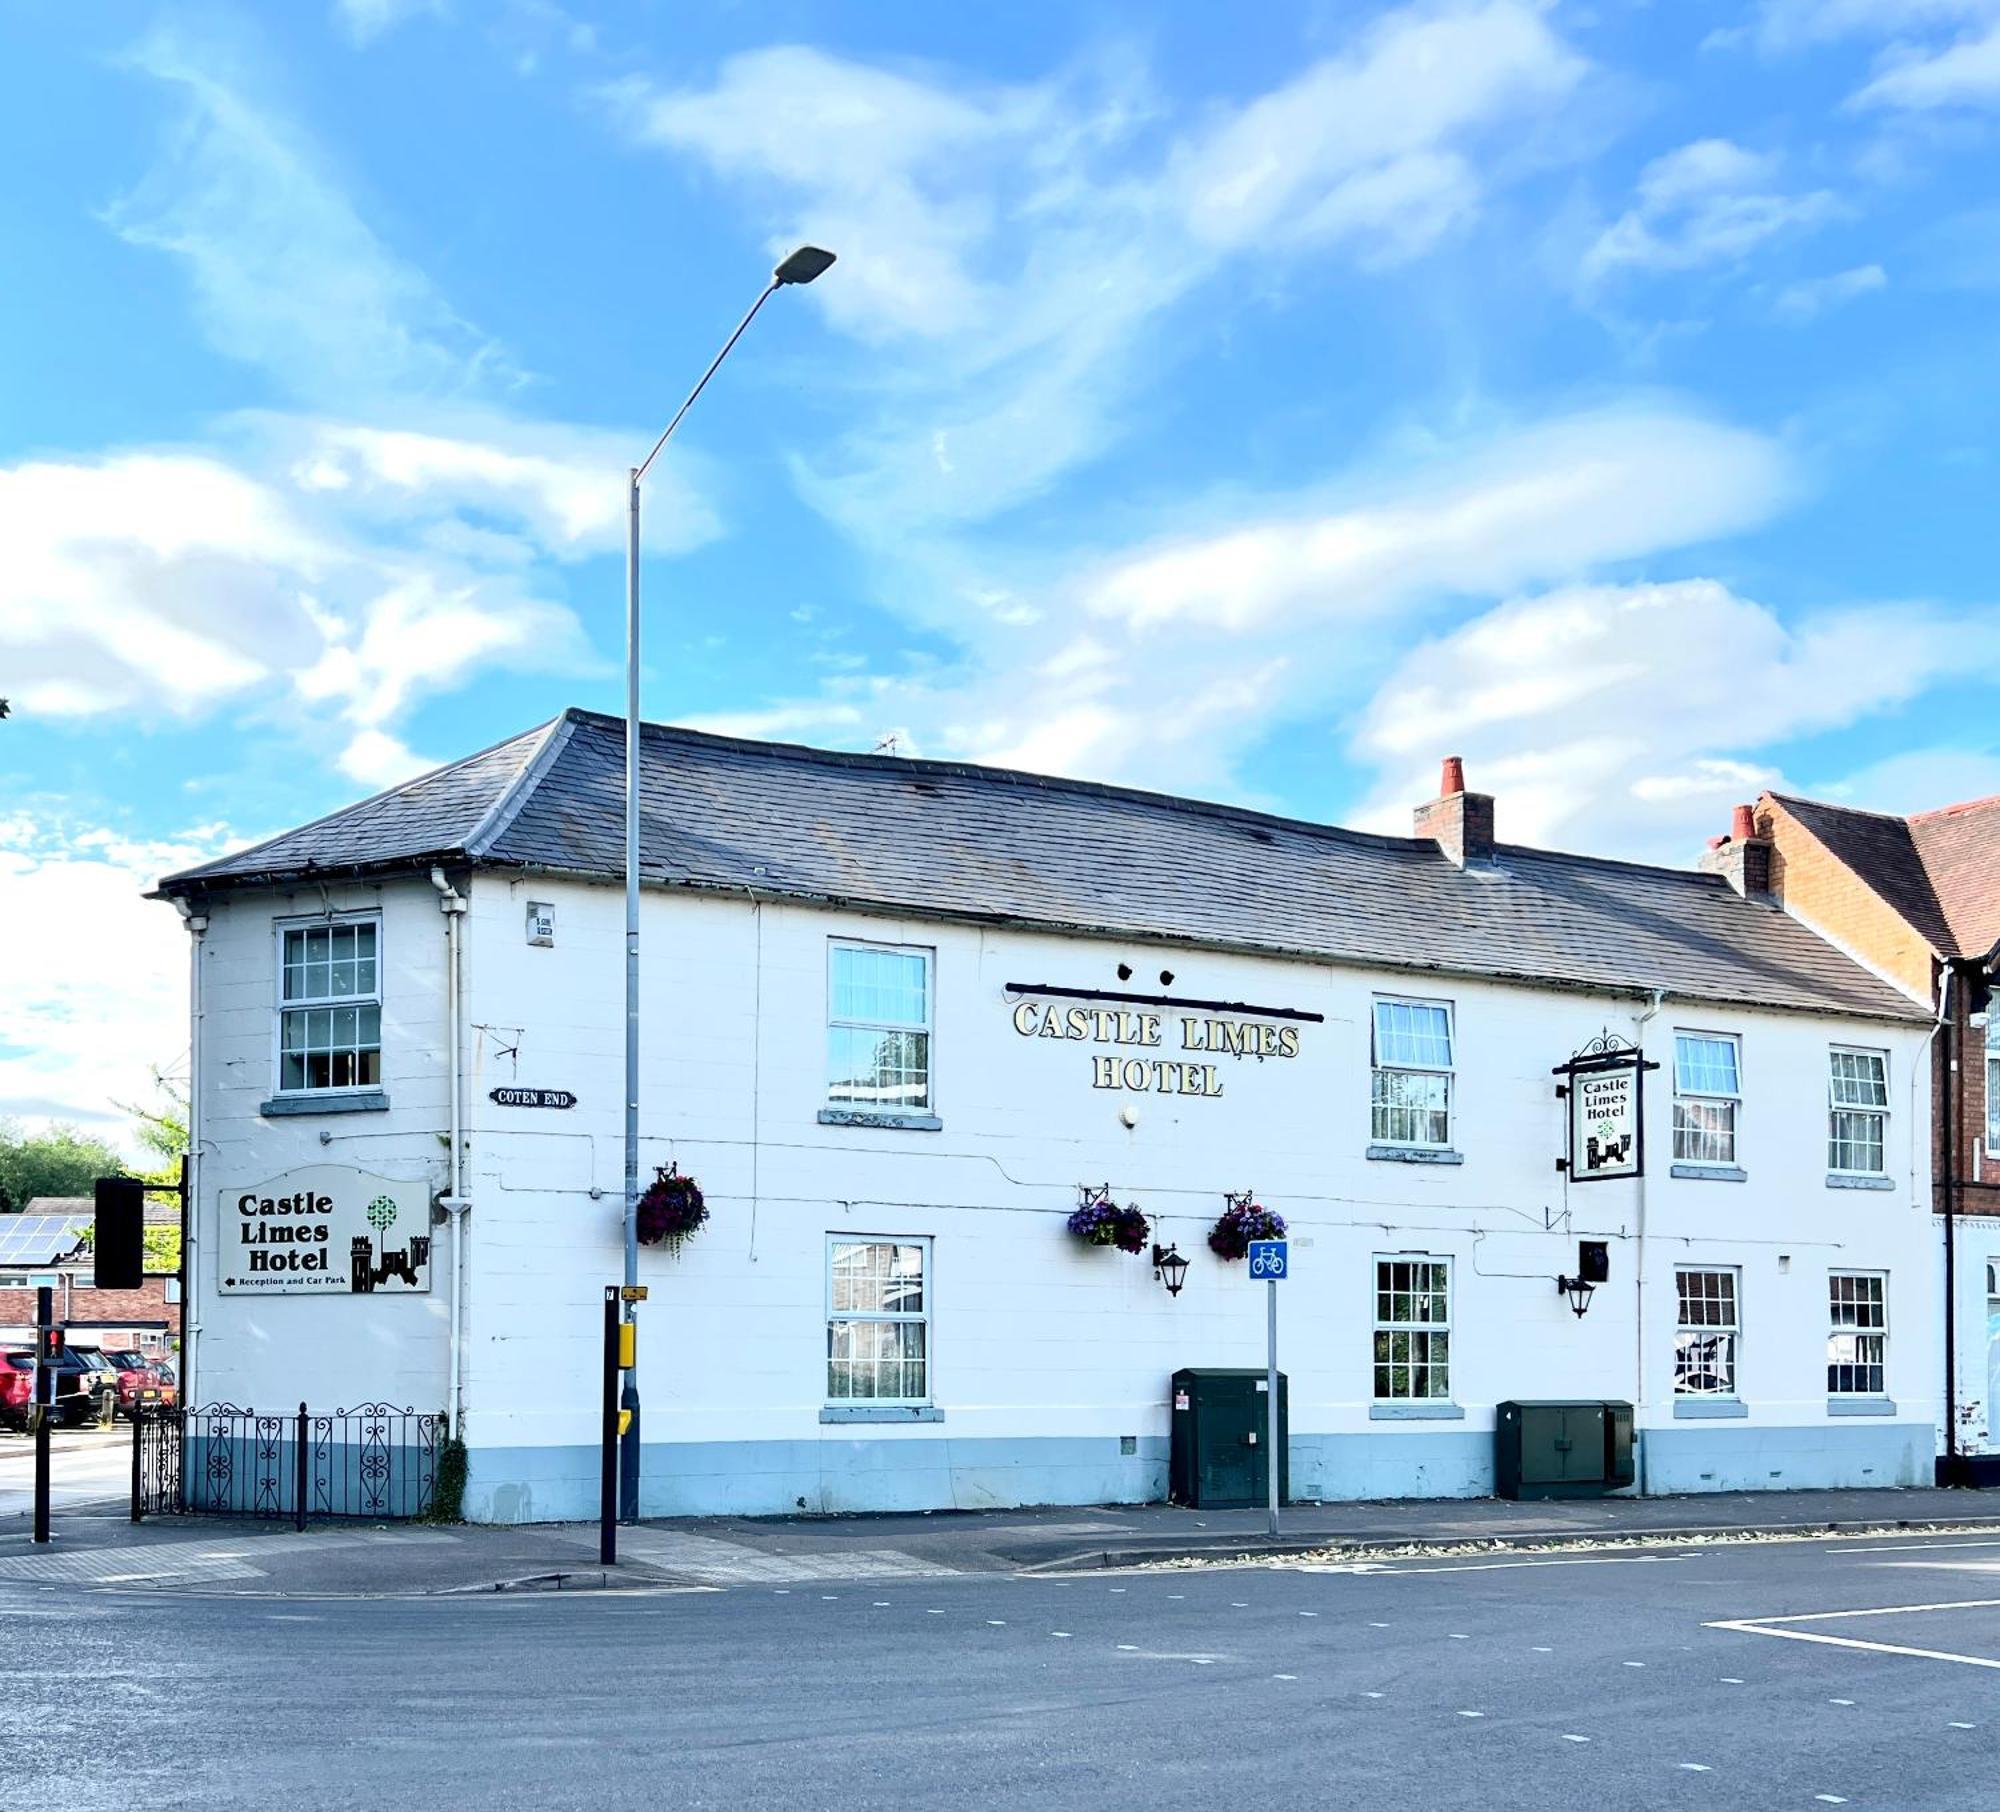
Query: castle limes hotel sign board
{"points": [[327, 1231]]}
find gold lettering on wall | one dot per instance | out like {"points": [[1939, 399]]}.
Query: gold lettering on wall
{"points": [[1205, 1035]]}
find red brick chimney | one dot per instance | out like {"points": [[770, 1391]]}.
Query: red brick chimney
{"points": [[1743, 858], [1460, 823]]}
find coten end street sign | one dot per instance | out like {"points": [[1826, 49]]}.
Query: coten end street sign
{"points": [[531, 1097], [323, 1230]]}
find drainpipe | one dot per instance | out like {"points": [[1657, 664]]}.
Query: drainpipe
{"points": [[1941, 1143], [1639, 1270], [196, 922], [452, 904]]}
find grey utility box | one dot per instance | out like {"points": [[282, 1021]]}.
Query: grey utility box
{"points": [[1221, 1450], [1561, 1449]]}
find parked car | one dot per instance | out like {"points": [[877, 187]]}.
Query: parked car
{"points": [[139, 1380], [73, 1404], [100, 1381]]}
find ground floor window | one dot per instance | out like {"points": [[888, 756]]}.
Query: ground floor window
{"points": [[877, 1319], [1705, 1338], [1857, 1348], [1412, 1329]]}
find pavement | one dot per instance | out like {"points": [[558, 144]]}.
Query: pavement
{"points": [[1851, 1671], [97, 1545]]}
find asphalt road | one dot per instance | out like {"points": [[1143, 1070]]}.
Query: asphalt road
{"points": [[86, 1466], [1553, 1682]]}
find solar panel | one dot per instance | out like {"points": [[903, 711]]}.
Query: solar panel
{"points": [[39, 1239]]}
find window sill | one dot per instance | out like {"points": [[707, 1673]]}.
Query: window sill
{"points": [[854, 1116], [1414, 1154], [1415, 1412], [1861, 1406], [1710, 1409], [881, 1412], [358, 1101], [1712, 1173], [1836, 1179]]}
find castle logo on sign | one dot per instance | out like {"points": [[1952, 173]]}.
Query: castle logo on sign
{"points": [[1604, 1133], [323, 1230]]}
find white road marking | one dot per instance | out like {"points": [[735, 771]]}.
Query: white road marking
{"points": [[1060, 1635], [1956, 1725], [1202, 1660], [1840, 1701], [1378, 1626], [1173, 1595], [1472, 1714], [1128, 1648], [1373, 1695], [1567, 1738], [1456, 1637], [1632, 1664], [1768, 1626], [1831, 1799], [1539, 1650], [881, 1604], [1694, 1767], [1239, 1604], [1284, 1676], [934, 1613], [1913, 1547], [1731, 1680], [1309, 1613], [996, 1623], [1503, 1566]]}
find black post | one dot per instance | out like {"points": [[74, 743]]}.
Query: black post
{"points": [[45, 1405], [299, 1512], [138, 1469], [607, 1500]]}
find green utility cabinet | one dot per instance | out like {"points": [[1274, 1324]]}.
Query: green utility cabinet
{"points": [[1544, 1448], [1220, 1453]]}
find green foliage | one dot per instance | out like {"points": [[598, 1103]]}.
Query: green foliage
{"points": [[447, 1503], [163, 1128], [61, 1161]]}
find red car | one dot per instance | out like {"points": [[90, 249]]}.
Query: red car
{"points": [[139, 1381], [17, 1392]]}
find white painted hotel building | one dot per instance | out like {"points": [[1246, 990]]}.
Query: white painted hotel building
{"points": [[899, 1013]]}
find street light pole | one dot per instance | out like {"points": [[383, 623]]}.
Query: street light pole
{"points": [[802, 266]]}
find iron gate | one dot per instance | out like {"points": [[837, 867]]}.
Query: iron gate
{"points": [[375, 1462]]}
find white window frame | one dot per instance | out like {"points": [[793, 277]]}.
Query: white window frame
{"points": [[281, 929], [926, 1317], [1993, 1079], [1854, 1330], [899, 1109], [1448, 1071], [1835, 1108], [1709, 1098], [1439, 1371], [1732, 1329]]}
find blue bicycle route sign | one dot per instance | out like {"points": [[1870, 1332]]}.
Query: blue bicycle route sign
{"points": [[1270, 1259]]}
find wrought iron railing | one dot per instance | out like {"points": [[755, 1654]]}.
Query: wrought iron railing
{"points": [[374, 1462]]}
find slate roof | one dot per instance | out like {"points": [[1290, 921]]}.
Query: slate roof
{"points": [[944, 840], [1939, 870]]}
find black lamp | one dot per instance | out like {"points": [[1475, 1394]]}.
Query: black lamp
{"points": [[1579, 1291], [1169, 1267]]}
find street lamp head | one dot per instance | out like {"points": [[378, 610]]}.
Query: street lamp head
{"points": [[803, 265]]}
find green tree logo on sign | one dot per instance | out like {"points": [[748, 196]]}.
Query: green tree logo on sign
{"points": [[382, 1214]]}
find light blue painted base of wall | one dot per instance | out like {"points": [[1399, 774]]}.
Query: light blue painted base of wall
{"points": [[1733, 1457], [778, 1478], [830, 1476]]}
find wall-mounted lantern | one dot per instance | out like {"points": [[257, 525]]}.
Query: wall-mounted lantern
{"points": [[1579, 1293], [1593, 1267], [1170, 1268]]}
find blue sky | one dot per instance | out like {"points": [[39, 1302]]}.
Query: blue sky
{"points": [[1255, 402]]}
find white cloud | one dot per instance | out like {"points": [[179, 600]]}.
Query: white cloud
{"points": [[1916, 780], [1625, 719], [1962, 74], [379, 760], [96, 985], [1006, 247], [366, 20], [1807, 300], [1709, 202], [1792, 24], [286, 273], [1532, 506]]}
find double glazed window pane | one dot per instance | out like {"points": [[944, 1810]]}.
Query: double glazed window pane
{"points": [[1705, 1132], [1705, 1066], [869, 1068], [881, 987], [875, 1359], [878, 1279], [1854, 1143], [1412, 1035], [877, 1337], [1707, 1086], [329, 962], [1859, 1079], [878, 1046], [330, 1047], [1410, 1107]]}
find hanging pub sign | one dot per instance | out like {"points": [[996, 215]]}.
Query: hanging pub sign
{"points": [[323, 1230], [1605, 1088]]}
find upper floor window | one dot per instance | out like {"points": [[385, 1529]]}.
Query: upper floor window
{"points": [[1708, 1089], [878, 1039], [330, 1005], [1858, 1097], [1993, 1081], [1410, 1093]]}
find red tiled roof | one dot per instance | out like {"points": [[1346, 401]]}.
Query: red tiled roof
{"points": [[1939, 869]]}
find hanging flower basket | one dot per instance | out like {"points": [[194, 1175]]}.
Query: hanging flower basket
{"points": [[670, 1209], [1242, 1221], [1101, 1222]]}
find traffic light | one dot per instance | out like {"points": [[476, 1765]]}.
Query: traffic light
{"points": [[121, 1233]]}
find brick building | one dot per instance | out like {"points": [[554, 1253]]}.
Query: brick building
{"points": [[48, 1246], [1917, 900]]}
